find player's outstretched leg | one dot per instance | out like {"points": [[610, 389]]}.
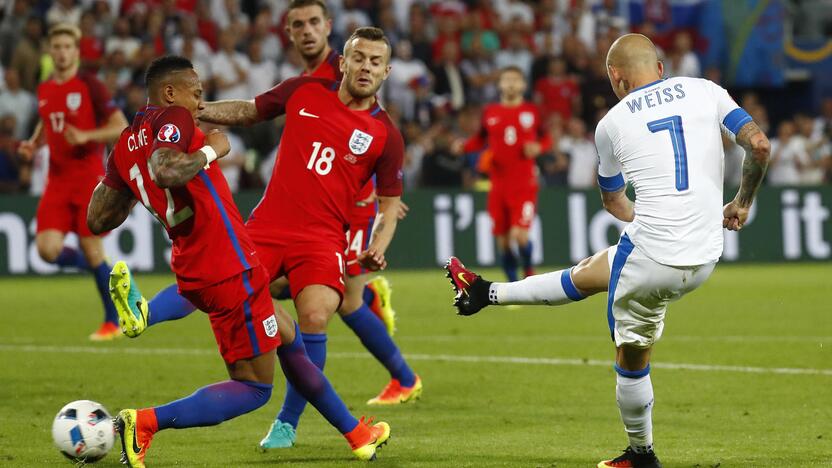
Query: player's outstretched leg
{"points": [[404, 386], [473, 293], [364, 437], [93, 250]]}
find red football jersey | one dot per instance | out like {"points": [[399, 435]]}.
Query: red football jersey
{"points": [[327, 154], [505, 130], [210, 243], [84, 103], [330, 70]]}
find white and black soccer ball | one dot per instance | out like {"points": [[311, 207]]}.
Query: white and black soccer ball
{"points": [[83, 431]]}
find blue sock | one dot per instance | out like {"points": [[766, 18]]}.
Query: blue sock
{"points": [[373, 334], [167, 304], [369, 295], [526, 255], [294, 402], [213, 404], [70, 257], [102, 281], [285, 294], [306, 378], [510, 265]]}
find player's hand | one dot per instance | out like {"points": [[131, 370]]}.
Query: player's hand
{"points": [[532, 149], [403, 209], [372, 260], [27, 149], [734, 216], [217, 140], [75, 137]]}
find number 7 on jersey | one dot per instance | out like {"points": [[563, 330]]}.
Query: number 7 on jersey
{"points": [[673, 125]]}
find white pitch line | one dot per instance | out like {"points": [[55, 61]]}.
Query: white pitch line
{"points": [[428, 357]]}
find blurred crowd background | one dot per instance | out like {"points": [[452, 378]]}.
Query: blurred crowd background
{"points": [[769, 54]]}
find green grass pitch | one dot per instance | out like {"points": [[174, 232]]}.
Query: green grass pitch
{"points": [[530, 387]]}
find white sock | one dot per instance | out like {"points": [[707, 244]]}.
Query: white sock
{"points": [[553, 288], [635, 402]]}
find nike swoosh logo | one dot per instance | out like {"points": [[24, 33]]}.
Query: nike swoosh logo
{"points": [[307, 114], [136, 449], [461, 277]]}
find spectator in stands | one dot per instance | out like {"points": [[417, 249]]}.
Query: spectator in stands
{"points": [[91, 46], [18, 103], [350, 18], [63, 11], [408, 76], [9, 161], [817, 151], [230, 68], [122, 40], [583, 159], [448, 76], [557, 92], [270, 46], [11, 27], [188, 32], [681, 60], [27, 53], [440, 166], [262, 73], [582, 23], [788, 156], [516, 53], [480, 72], [419, 34]]}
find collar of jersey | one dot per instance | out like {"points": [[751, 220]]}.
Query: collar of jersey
{"points": [[648, 85]]}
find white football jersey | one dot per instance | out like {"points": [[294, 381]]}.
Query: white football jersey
{"points": [[666, 138]]}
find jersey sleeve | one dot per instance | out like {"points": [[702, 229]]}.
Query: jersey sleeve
{"points": [[388, 166], [112, 178], [103, 104], [272, 103], [173, 128], [610, 178], [731, 116]]}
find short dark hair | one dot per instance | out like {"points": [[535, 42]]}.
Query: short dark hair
{"points": [[512, 68], [163, 66], [295, 4], [371, 34]]}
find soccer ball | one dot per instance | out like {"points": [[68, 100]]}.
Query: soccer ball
{"points": [[83, 431]]}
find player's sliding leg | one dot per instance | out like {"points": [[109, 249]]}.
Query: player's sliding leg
{"points": [[507, 258], [137, 313], [308, 380], [520, 237], [473, 293], [315, 305], [404, 386]]}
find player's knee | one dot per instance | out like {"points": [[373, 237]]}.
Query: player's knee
{"points": [[313, 320], [261, 392], [48, 249]]}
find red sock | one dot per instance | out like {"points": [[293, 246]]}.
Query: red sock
{"points": [[146, 422], [359, 436]]}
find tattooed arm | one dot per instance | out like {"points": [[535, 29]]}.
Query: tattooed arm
{"points": [[108, 208], [174, 168], [383, 230], [237, 113], [757, 153]]}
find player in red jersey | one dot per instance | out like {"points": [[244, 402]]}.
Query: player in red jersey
{"points": [[512, 130], [165, 161], [78, 118], [336, 138]]}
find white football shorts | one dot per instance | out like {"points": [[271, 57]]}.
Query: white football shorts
{"points": [[640, 290]]}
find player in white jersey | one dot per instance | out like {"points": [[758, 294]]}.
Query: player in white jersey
{"points": [[664, 136]]}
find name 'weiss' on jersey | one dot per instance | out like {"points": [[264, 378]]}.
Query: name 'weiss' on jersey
{"points": [[327, 153], [666, 138]]}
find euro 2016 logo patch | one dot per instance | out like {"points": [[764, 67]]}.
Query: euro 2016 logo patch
{"points": [[360, 142], [270, 326], [169, 133]]}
